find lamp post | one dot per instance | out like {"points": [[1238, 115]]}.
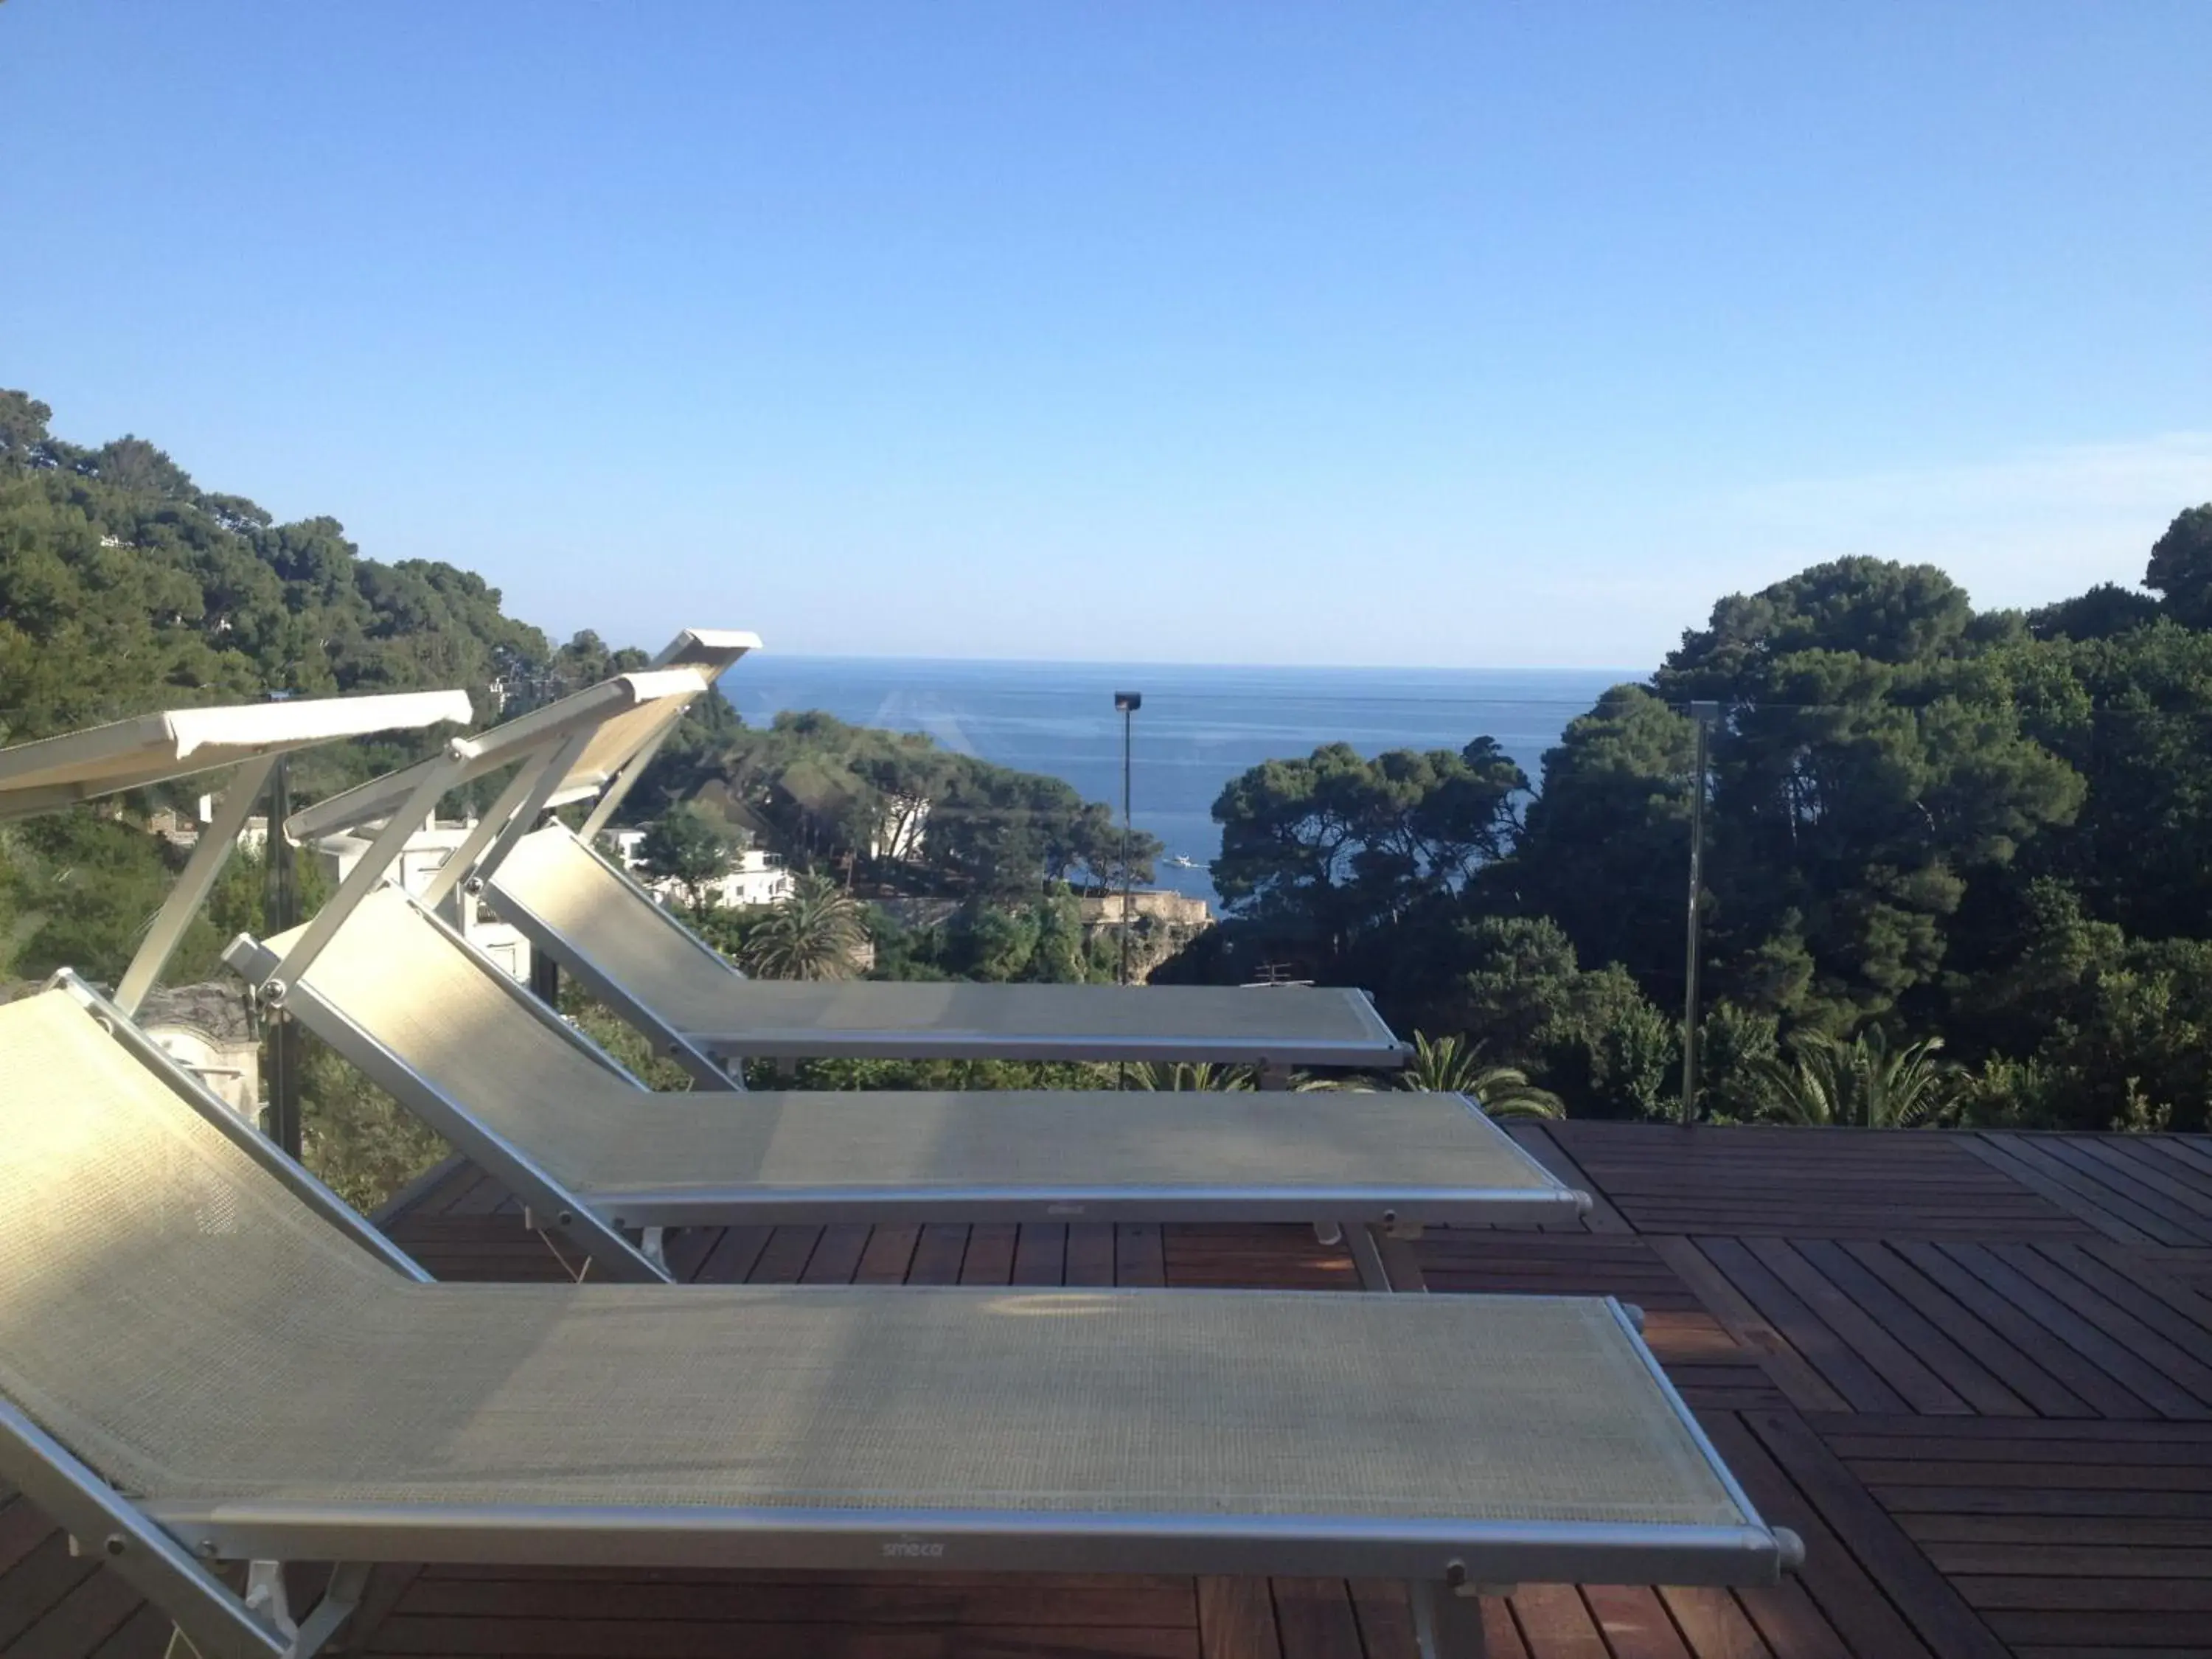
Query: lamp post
{"points": [[1127, 703]]}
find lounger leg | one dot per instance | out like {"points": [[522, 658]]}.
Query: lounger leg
{"points": [[1385, 1262], [653, 1247], [1374, 1272], [266, 1595], [1447, 1622], [349, 1579]]}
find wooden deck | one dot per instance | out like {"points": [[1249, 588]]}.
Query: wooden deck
{"points": [[1973, 1370]]}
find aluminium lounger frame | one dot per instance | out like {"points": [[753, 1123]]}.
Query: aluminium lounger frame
{"points": [[167, 1550], [598, 1222]]}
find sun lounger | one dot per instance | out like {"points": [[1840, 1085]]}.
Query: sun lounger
{"points": [[204, 1358], [634, 956], [423, 1014], [640, 960]]}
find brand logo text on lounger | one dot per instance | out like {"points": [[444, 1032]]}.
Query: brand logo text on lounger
{"points": [[910, 1548]]}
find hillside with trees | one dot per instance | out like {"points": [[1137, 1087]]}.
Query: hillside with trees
{"points": [[124, 586], [1972, 848]]}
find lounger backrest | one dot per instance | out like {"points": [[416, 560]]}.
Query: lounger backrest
{"points": [[573, 891], [423, 997], [156, 1288]]}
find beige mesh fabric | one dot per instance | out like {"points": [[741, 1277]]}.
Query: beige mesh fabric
{"points": [[558, 879], [396, 975], [175, 1318]]}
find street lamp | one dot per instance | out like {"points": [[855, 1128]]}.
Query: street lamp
{"points": [[1126, 704]]}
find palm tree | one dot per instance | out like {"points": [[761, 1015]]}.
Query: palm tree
{"points": [[1183, 1074], [813, 933], [1452, 1065], [1863, 1084]]}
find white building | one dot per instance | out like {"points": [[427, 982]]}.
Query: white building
{"points": [[423, 856], [754, 877]]}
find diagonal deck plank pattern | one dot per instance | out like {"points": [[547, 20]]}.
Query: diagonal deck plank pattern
{"points": [[1973, 1370]]}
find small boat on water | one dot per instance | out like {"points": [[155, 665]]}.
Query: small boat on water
{"points": [[1180, 862]]}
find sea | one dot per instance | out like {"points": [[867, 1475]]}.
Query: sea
{"points": [[1197, 727]]}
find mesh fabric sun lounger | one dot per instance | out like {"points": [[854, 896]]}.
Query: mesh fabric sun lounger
{"points": [[423, 1015], [655, 974], [633, 955], [204, 1358]]}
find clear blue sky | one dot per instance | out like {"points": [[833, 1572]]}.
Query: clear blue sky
{"points": [[1455, 334]]}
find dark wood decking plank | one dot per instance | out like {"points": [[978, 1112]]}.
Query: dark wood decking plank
{"points": [[1555, 1624], [2090, 1383], [1314, 1619], [1041, 1255], [2177, 1315], [46, 1574], [2014, 1367], [1805, 1386], [730, 1260], [2036, 1562], [890, 1255], [989, 1259], [1090, 1253], [1634, 1622], [2138, 1161], [1237, 1620], [2020, 1285], [936, 1254], [836, 1258], [2130, 1185], [2065, 1187], [145, 1635], [1933, 1345], [1847, 1594], [1139, 1255], [81, 1621], [686, 1249], [1861, 1386], [1915, 1382], [783, 1260], [22, 1529], [1905, 1574], [1715, 1624]]}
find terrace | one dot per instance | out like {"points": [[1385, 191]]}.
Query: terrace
{"points": [[1974, 1371]]}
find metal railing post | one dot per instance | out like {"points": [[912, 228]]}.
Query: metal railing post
{"points": [[281, 911], [1702, 716]]}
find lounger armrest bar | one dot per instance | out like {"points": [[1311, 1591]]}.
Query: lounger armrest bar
{"points": [[211, 1616], [56, 772], [186, 1087], [814, 1041], [893, 1539], [488, 751]]}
